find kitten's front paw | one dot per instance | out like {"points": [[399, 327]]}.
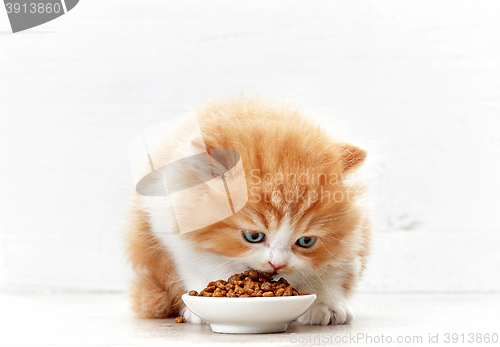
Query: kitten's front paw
{"points": [[190, 317], [317, 314], [321, 314], [341, 314]]}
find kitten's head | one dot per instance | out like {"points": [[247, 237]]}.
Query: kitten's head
{"points": [[292, 221], [301, 213]]}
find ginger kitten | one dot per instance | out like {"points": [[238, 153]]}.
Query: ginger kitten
{"points": [[304, 219]]}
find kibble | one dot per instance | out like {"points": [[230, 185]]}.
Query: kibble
{"points": [[249, 284], [179, 320]]}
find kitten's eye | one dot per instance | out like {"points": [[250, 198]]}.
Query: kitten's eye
{"points": [[306, 241], [254, 237]]}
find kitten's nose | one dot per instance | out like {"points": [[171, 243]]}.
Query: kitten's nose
{"points": [[277, 267]]}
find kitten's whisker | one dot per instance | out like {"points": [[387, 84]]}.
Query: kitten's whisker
{"points": [[305, 280], [326, 248], [326, 287]]}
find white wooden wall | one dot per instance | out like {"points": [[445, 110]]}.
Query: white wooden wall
{"points": [[416, 82]]}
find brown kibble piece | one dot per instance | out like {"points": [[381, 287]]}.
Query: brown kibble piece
{"points": [[210, 288], [233, 278], [279, 292], [180, 320], [284, 281], [254, 275], [267, 294], [249, 291], [266, 286], [193, 293], [288, 291]]}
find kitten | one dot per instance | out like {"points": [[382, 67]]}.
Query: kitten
{"points": [[314, 231]]}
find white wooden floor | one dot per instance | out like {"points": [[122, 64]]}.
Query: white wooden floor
{"points": [[105, 320]]}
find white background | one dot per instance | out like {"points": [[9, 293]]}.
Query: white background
{"points": [[416, 82]]}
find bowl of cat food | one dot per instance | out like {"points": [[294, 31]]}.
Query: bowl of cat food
{"points": [[248, 303]]}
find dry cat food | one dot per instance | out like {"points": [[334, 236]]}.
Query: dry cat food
{"points": [[248, 284], [180, 320]]}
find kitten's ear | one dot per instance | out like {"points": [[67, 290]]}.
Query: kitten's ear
{"points": [[351, 156], [221, 160]]}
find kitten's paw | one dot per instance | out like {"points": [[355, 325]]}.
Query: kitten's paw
{"points": [[341, 314], [321, 314], [317, 314], [190, 317]]}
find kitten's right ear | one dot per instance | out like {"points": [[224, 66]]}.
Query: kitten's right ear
{"points": [[351, 156], [220, 160]]}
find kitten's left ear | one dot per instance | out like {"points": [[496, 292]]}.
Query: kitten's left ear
{"points": [[351, 156]]}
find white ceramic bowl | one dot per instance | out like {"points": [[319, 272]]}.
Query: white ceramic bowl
{"points": [[249, 315]]}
